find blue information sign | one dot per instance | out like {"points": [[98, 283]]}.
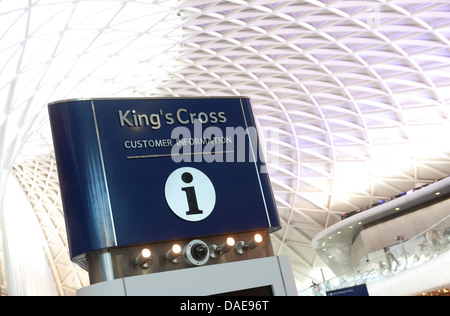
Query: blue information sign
{"points": [[357, 290], [148, 170]]}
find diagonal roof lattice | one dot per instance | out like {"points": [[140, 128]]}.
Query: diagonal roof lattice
{"points": [[351, 97]]}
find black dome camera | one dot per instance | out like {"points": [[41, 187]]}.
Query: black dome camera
{"points": [[199, 252], [196, 253]]}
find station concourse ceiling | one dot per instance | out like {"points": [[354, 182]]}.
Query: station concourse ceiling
{"points": [[351, 97]]}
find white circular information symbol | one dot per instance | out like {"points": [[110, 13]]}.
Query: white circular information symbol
{"points": [[190, 194]]}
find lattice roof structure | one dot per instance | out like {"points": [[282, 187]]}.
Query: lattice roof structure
{"points": [[352, 97]]}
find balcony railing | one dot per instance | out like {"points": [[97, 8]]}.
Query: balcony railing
{"points": [[383, 264]]}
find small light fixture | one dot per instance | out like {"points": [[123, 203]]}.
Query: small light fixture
{"points": [[242, 247], [217, 251], [144, 259], [174, 253], [227, 245], [257, 239]]}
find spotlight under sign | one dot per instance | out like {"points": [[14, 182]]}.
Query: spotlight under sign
{"points": [[136, 171]]}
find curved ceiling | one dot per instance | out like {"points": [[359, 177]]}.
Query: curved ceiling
{"points": [[352, 97]]}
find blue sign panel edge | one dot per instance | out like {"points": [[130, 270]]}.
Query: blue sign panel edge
{"points": [[266, 188], [86, 206]]}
